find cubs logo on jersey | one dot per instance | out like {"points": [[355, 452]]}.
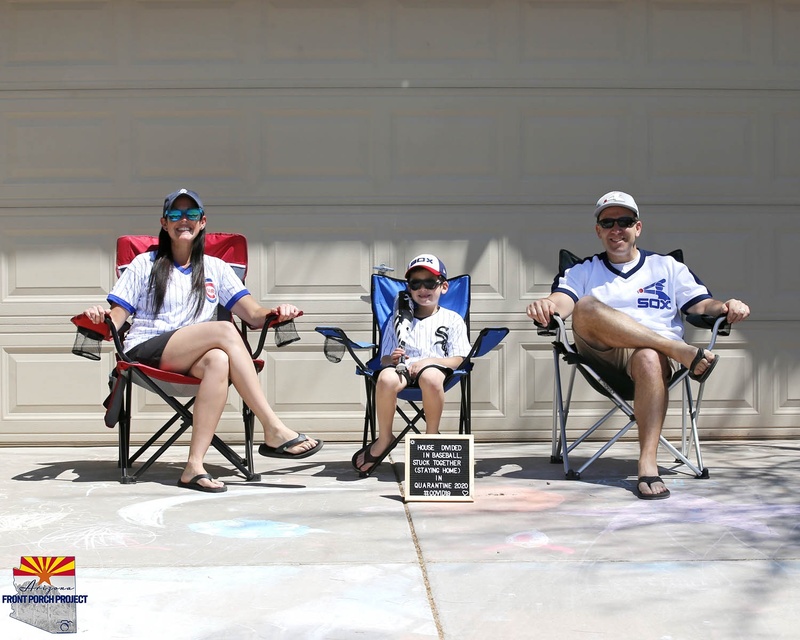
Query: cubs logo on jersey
{"points": [[661, 299], [211, 291]]}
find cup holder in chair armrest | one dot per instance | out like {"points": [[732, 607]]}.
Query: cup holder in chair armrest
{"points": [[703, 321], [97, 331]]}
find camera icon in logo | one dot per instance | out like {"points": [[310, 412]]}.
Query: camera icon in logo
{"points": [[65, 626]]}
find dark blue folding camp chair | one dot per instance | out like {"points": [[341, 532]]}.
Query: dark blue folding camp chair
{"points": [[619, 390], [384, 290]]}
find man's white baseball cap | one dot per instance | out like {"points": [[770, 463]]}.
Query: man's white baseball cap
{"points": [[616, 199]]}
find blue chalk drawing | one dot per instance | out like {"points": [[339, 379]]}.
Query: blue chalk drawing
{"points": [[252, 529]]}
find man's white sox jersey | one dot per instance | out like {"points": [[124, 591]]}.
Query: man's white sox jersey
{"points": [[131, 292], [441, 335], [652, 290]]}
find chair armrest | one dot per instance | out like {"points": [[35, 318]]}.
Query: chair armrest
{"points": [[487, 340], [552, 329], [104, 331], [717, 324], [270, 322]]}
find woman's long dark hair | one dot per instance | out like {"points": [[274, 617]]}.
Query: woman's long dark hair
{"points": [[162, 269]]}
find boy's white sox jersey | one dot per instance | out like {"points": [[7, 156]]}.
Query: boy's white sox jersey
{"points": [[131, 292], [440, 335], [651, 291]]}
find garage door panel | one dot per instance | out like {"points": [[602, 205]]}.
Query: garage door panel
{"points": [[726, 278], [47, 34], [785, 154], [316, 32], [49, 265], [301, 145], [697, 148], [215, 32], [711, 33], [163, 141], [593, 33], [786, 391], [59, 146], [447, 30], [786, 26], [587, 139], [331, 265]]}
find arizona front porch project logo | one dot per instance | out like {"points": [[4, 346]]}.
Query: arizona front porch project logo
{"points": [[46, 597]]}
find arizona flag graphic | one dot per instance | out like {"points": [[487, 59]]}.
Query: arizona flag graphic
{"points": [[56, 571]]}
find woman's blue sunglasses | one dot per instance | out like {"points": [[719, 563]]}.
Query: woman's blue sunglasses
{"points": [[173, 215]]}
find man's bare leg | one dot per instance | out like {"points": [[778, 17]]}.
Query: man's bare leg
{"points": [[602, 327], [650, 372]]}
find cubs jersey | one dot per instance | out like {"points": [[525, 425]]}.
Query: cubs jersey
{"points": [[132, 293], [652, 290], [440, 335]]}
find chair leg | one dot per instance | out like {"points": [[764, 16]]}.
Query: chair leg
{"points": [[125, 436], [249, 420]]}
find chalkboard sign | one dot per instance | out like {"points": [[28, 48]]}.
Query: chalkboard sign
{"points": [[439, 468]]}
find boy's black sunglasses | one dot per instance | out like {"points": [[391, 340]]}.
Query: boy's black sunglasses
{"points": [[624, 223], [428, 283]]}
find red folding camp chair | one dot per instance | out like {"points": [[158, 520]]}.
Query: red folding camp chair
{"points": [[167, 385]]}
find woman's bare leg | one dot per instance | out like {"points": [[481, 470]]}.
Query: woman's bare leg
{"points": [[212, 369], [189, 344]]}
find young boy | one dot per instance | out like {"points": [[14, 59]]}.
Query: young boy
{"points": [[437, 344]]}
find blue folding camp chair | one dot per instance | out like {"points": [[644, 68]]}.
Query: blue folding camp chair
{"points": [[384, 290], [619, 390]]}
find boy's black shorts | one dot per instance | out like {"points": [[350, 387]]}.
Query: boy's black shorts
{"points": [[412, 384]]}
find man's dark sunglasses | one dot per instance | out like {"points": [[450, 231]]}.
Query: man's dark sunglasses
{"points": [[173, 215], [624, 223], [428, 283]]}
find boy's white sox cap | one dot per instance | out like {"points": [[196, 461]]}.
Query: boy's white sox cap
{"points": [[430, 262], [616, 199]]}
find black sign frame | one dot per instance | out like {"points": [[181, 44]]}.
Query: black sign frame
{"points": [[439, 468]]}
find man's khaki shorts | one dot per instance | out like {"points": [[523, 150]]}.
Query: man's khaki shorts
{"points": [[614, 358], [617, 359]]}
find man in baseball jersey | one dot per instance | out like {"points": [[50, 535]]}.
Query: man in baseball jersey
{"points": [[625, 305], [436, 344]]}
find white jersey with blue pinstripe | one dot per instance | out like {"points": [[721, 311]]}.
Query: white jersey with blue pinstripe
{"points": [[441, 335], [132, 293], [652, 290]]}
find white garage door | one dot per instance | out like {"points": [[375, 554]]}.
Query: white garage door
{"points": [[342, 134]]}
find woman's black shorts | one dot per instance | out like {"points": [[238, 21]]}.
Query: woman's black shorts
{"points": [[150, 352]]}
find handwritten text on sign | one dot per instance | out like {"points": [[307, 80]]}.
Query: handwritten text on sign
{"points": [[439, 467]]}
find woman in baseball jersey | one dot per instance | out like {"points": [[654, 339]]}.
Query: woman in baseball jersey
{"points": [[173, 294]]}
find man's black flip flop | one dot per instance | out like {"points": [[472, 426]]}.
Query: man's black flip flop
{"points": [[649, 480]]}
